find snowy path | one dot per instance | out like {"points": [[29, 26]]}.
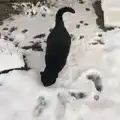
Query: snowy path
{"points": [[94, 56]]}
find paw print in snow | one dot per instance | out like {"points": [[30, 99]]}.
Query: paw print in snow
{"points": [[97, 81], [40, 106], [78, 95], [12, 29]]}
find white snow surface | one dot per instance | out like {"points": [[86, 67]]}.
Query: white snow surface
{"points": [[11, 61], [23, 96]]}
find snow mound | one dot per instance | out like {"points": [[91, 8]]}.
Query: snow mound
{"points": [[10, 61]]}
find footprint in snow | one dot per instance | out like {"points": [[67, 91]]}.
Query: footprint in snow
{"points": [[35, 47], [61, 109], [96, 80], [86, 24], [98, 41], [43, 15], [78, 26], [72, 37], [87, 9], [16, 44], [81, 21], [81, 1], [81, 36], [79, 95], [5, 28], [12, 29], [7, 38], [99, 35], [42, 35], [24, 31], [94, 43], [11, 39], [41, 105]]}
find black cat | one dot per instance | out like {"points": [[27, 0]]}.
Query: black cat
{"points": [[58, 46]]}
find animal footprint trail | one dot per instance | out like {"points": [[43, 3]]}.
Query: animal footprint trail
{"points": [[96, 80], [61, 108], [24, 31], [5, 28], [34, 47], [42, 35], [42, 103], [12, 29], [81, 93], [78, 95], [81, 1]]}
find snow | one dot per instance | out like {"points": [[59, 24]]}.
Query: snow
{"points": [[87, 87], [111, 12], [11, 61]]}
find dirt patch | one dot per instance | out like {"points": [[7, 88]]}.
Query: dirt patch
{"points": [[100, 16]]}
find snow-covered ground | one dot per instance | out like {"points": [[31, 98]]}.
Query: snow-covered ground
{"points": [[87, 87]]}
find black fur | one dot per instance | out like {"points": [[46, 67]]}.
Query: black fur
{"points": [[58, 46]]}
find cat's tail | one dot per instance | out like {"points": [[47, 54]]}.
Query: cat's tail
{"points": [[61, 11]]}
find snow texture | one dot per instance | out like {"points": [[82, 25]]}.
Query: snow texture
{"points": [[10, 61], [88, 86]]}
